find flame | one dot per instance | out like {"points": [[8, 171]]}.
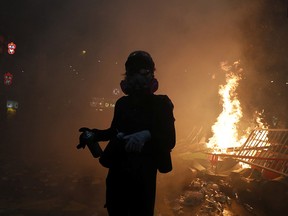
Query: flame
{"points": [[225, 133], [226, 139]]}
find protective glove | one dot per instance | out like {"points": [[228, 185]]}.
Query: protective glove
{"points": [[136, 141]]}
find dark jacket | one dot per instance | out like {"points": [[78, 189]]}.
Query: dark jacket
{"points": [[136, 113]]}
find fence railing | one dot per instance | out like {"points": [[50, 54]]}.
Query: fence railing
{"points": [[267, 149]]}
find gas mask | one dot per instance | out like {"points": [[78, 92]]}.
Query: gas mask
{"points": [[139, 83], [139, 74]]}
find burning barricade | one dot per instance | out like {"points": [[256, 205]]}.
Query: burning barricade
{"points": [[236, 173]]}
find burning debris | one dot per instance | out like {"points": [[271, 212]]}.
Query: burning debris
{"points": [[231, 191], [235, 171], [223, 184], [205, 195]]}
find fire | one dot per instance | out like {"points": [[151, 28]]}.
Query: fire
{"points": [[225, 132]]}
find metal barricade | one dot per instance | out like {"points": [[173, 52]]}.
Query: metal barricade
{"points": [[267, 149]]}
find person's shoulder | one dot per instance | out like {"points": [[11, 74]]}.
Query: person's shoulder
{"points": [[122, 100], [164, 99]]}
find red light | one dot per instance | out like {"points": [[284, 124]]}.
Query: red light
{"points": [[8, 77], [11, 48]]}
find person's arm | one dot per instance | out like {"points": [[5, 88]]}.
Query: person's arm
{"points": [[163, 128], [96, 135], [103, 135]]}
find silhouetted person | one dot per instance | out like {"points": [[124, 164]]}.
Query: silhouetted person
{"points": [[141, 137]]}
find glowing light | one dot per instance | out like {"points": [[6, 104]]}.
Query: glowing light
{"points": [[11, 48], [12, 45], [225, 137], [11, 51], [225, 130], [101, 104], [8, 77], [259, 120], [83, 52], [12, 104], [225, 133], [116, 91], [11, 111]]}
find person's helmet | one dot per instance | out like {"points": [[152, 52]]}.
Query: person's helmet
{"points": [[139, 60]]}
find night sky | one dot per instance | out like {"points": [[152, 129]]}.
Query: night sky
{"points": [[54, 80]]}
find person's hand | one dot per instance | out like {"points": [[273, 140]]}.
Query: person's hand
{"points": [[136, 141], [86, 137], [120, 135]]}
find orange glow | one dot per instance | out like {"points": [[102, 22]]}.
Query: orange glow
{"points": [[225, 133], [225, 130]]}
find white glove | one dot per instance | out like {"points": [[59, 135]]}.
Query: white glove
{"points": [[136, 141]]}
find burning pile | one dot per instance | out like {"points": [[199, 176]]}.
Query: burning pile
{"points": [[233, 176]]}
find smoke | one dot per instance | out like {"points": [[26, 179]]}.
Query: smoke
{"points": [[264, 54], [187, 40]]}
